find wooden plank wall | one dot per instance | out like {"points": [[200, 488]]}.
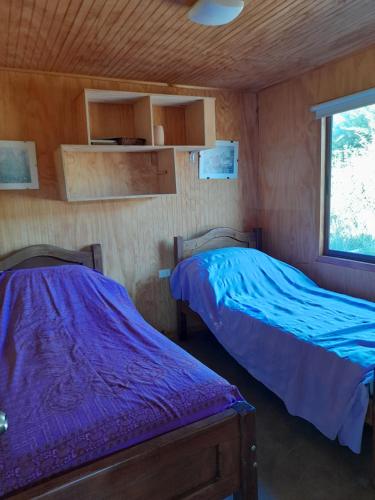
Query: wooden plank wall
{"points": [[136, 235], [289, 168]]}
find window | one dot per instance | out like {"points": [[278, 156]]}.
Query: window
{"points": [[349, 218]]}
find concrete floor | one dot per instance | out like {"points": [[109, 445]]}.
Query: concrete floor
{"points": [[296, 462]]}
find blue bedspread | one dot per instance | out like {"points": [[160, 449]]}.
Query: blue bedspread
{"points": [[313, 347]]}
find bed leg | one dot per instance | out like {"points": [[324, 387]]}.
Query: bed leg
{"points": [[248, 453], [181, 323]]}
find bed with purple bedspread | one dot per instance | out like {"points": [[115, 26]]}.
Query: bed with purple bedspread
{"points": [[82, 375]]}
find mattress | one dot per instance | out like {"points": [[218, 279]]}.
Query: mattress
{"points": [[313, 347], [82, 375]]}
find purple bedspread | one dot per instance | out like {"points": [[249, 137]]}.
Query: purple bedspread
{"points": [[82, 375]]}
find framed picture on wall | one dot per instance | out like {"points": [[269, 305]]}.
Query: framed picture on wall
{"points": [[18, 166], [220, 162]]}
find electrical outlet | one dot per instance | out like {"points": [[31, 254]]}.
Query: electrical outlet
{"points": [[164, 273]]}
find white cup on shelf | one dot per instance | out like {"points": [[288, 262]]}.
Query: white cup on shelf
{"points": [[159, 135]]}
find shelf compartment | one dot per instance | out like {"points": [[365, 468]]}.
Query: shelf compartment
{"points": [[187, 124], [125, 119], [89, 173]]}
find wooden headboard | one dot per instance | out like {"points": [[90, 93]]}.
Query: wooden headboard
{"points": [[219, 237], [48, 255]]}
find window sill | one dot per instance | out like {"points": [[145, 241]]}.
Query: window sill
{"points": [[352, 264]]}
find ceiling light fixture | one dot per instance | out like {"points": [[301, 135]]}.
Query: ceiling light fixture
{"points": [[215, 12]]}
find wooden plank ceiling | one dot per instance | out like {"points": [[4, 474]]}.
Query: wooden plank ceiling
{"points": [[153, 40]]}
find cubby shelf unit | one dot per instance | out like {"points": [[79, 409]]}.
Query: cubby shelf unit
{"points": [[106, 172], [92, 173], [188, 121]]}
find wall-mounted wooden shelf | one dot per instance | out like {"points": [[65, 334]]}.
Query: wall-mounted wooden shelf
{"points": [[107, 172], [90, 173], [188, 121]]}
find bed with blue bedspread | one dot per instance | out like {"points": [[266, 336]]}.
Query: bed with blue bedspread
{"points": [[313, 347]]}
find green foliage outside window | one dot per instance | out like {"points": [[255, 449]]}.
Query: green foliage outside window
{"points": [[352, 216]]}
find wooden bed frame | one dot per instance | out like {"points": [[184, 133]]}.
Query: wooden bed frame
{"points": [[225, 237], [209, 459]]}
